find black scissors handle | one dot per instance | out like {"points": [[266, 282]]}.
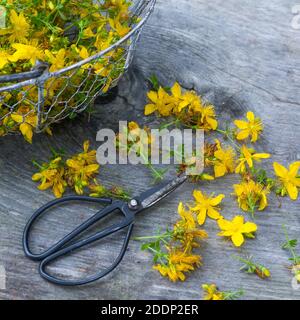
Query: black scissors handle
{"points": [[67, 238], [69, 244], [43, 265], [65, 245]]}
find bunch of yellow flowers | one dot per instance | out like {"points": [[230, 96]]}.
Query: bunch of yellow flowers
{"points": [[211, 292], [187, 110], [59, 33], [77, 172], [187, 107], [174, 250]]}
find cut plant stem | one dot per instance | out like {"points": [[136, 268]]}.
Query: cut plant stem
{"points": [[227, 135]]}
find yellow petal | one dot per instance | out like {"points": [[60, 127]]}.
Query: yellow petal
{"points": [[219, 170], [201, 216], [207, 177], [86, 146], [212, 122], [161, 94], [249, 227], [254, 136], [45, 186], [72, 164], [215, 201], [261, 156], [238, 221], [180, 209], [263, 202], [247, 155], [213, 214], [237, 239], [56, 191], [152, 95], [240, 168], [92, 168], [17, 118], [241, 124], [294, 168], [182, 105], [280, 170], [250, 116], [150, 108], [244, 134], [36, 177], [27, 132], [224, 224], [292, 191], [176, 90], [198, 195]]}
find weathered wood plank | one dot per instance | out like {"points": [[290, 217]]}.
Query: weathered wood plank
{"points": [[240, 56]]}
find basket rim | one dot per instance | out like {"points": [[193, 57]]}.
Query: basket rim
{"points": [[48, 75]]}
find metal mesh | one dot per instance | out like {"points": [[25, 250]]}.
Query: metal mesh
{"points": [[54, 96]]}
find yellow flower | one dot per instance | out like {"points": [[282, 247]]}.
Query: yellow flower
{"points": [[88, 33], [224, 160], [57, 61], [208, 115], [79, 174], [161, 102], [212, 292], [236, 229], [179, 262], [81, 169], [183, 100], [206, 206], [19, 30], [251, 128], [97, 190], [251, 195], [118, 27], [185, 230], [88, 156], [4, 58], [26, 52], [27, 124], [52, 176], [289, 178], [248, 156]]}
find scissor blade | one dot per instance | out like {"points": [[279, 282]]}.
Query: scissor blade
{"points": [[154, 195]]}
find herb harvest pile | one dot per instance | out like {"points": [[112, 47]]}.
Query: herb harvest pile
{"points": [[176, 249], [59, 33]]}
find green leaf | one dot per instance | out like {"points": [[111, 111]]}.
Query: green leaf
{"points": [[290, 244], [250, 235], [154, 82], [144, 246]]}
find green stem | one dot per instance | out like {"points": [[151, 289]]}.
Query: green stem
{"points": [[226, 134], [35, 163], [160, 236], [248, 262], [289, 247]]}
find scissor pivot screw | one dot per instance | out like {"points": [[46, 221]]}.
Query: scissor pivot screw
{"points": [[133, 204]]}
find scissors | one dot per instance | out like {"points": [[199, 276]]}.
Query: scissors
{"points": [[68, 243]]}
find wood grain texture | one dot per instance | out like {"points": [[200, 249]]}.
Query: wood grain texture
{"points": [[240, 55]]}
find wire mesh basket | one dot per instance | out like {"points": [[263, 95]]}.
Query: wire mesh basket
{"points": [[49, 97]]}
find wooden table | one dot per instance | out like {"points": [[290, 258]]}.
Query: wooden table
{"points": [[241, 55]]}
